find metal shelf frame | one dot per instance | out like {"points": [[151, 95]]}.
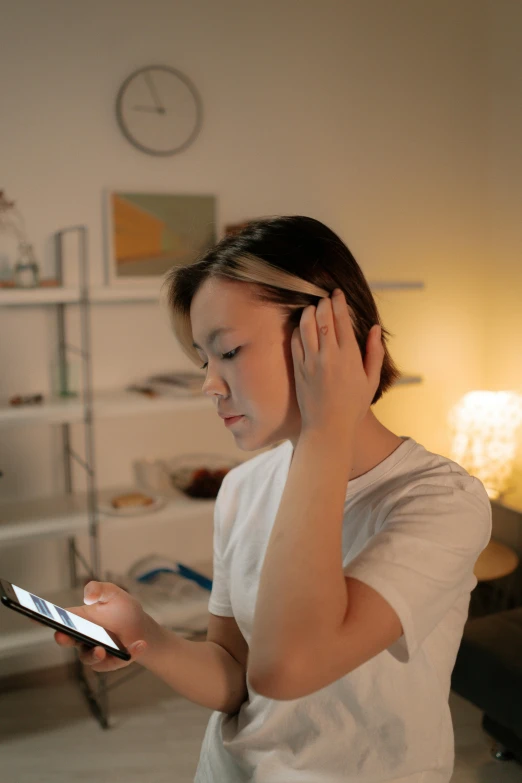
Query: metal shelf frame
{"points": [[84, 351], [97, 697]]}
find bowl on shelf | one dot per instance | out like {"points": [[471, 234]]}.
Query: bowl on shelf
{"points": [[199, 475], [195, 475]]}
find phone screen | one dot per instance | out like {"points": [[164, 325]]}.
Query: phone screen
{"points": [[63, 617]]}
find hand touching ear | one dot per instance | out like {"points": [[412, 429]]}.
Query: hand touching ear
{"points": [[334, 386]]}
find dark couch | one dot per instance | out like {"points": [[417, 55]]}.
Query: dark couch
{"points": [[488, 673]]}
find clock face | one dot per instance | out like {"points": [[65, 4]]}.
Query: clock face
{"points": [[159, 110]]}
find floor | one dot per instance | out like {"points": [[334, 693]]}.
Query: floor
{"points": [[47, 735]]}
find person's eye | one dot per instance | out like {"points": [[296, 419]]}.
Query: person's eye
{"points": [[229, 355]]}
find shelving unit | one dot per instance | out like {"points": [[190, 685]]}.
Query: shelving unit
{"points": [[73, 513]]}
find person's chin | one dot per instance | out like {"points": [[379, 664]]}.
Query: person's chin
{"points": [[272, 440], [248, 440]]}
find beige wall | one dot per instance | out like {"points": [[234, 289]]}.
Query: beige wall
{"points": [[503, 272], [396, 123]]}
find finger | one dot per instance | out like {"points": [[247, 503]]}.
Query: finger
{"points": [[297, 348], [109, 664], [102, 661], [374, 356], [308, 329], [99, 592], [91, 655], [65, 640], [343, 319], [325, 324]]}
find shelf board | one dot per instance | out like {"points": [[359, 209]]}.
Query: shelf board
{"points": [[106, 294], [61, 295], [66, 515], [38, 296], [112, 403]]}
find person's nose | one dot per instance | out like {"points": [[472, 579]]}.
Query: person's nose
{"points": [[214, 385]]}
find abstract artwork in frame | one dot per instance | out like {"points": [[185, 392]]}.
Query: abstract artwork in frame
{"points": [[148, 233], [235, 228]]}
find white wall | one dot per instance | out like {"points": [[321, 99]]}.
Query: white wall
{"points": [[385, 120]]}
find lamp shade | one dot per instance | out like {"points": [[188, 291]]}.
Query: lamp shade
{"points": [[484, 427]]}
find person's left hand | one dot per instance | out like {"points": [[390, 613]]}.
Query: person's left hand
{"points": [[334, 386]]}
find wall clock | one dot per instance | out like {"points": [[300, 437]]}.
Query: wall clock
{"points": [[159, 110]]}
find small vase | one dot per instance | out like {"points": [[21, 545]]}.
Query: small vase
{"points": [[65, 375], [26, 272]]}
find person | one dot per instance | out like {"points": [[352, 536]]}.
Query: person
{"points": [[343, 553]]}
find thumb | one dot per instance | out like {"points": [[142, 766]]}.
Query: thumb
{"points": [[98, 592]]}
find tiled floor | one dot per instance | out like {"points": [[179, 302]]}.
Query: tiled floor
{"points": [[47, 735]]}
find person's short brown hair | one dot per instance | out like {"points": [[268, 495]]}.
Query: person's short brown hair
{"points": [[292, 261]]}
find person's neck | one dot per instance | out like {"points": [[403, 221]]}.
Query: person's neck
{"points": [[373, 443]]}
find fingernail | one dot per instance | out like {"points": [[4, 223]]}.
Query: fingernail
{"points": [[88, 597], [337, 292], [138, 648]]}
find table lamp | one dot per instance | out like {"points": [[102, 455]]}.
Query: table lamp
{"points": [[484, 427]]}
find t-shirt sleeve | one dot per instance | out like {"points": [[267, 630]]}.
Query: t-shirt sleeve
{"points": [[219, 601], [424, 554]]}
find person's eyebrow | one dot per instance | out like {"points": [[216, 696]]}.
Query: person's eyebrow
{"points": [[215, 333]]}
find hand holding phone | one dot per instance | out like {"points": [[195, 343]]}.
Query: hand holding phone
{"points": [[108, 607], [112, 607]]}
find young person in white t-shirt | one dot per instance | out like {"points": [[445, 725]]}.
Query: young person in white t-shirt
{"points": [[343, 553]]}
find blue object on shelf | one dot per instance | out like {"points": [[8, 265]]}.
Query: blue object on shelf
{"points": [[204, 581], [182, 570]]}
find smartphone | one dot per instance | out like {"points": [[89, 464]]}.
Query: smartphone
{"points": [[60, 619]]}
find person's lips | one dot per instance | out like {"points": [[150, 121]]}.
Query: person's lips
{"points": [[230, 420]]}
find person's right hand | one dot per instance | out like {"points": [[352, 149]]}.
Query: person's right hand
{"points": [[116, 610]]}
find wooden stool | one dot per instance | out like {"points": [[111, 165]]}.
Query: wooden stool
{"points": [[497, 560]]}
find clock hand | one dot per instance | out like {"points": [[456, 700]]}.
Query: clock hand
{"points": [[150, 83], [149, 108]]}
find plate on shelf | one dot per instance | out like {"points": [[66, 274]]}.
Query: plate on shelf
{"points": [[105, 506]]}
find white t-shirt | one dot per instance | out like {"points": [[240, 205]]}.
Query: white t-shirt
{"points": [[413, 529]]}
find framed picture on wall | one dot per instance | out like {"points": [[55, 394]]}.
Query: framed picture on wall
{"points": [[235, 228], [147, 233]]}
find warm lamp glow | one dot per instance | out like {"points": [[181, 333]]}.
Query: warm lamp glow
{"points": [[484, 425]]}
